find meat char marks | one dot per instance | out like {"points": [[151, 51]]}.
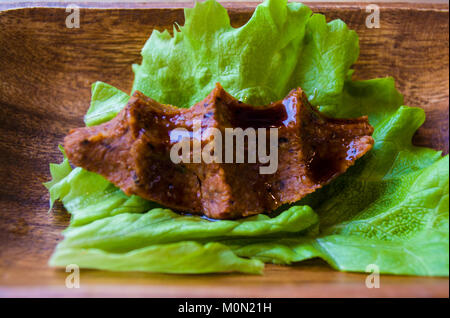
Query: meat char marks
{"points": [[133, 152]]}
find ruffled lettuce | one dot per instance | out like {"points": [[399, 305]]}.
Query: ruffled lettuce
{"points": [[281, 47], [391, 209], [107, 103]]}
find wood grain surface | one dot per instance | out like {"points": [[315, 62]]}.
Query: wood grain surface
{"points": [[46, 71]]}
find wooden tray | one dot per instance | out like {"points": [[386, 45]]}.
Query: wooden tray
{"points": [[46, 71]]}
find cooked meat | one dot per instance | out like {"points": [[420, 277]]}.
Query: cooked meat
{"points": [[133, 152]]}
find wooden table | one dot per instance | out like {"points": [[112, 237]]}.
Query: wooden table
{"points": [[45, 75]]}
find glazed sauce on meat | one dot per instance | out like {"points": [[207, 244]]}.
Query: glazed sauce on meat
{"points": [[279, 114], [323, 168]]}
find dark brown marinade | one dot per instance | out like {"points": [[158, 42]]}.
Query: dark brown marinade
{"points": [[132, 151]]}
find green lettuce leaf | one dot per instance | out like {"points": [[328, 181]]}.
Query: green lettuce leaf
{"points": [[407, 235], [282, 46], [58, 173], [391, 209], [135, 230], [89, 196], [109, 231], [106, 102], [177, 258]]}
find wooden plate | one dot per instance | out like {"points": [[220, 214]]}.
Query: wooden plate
{"points": [[46, 71]]}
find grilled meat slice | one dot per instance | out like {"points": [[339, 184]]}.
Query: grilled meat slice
{"points": [[133, 152]]}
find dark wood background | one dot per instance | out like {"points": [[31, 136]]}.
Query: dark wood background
{"points": [[46, 71]]}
